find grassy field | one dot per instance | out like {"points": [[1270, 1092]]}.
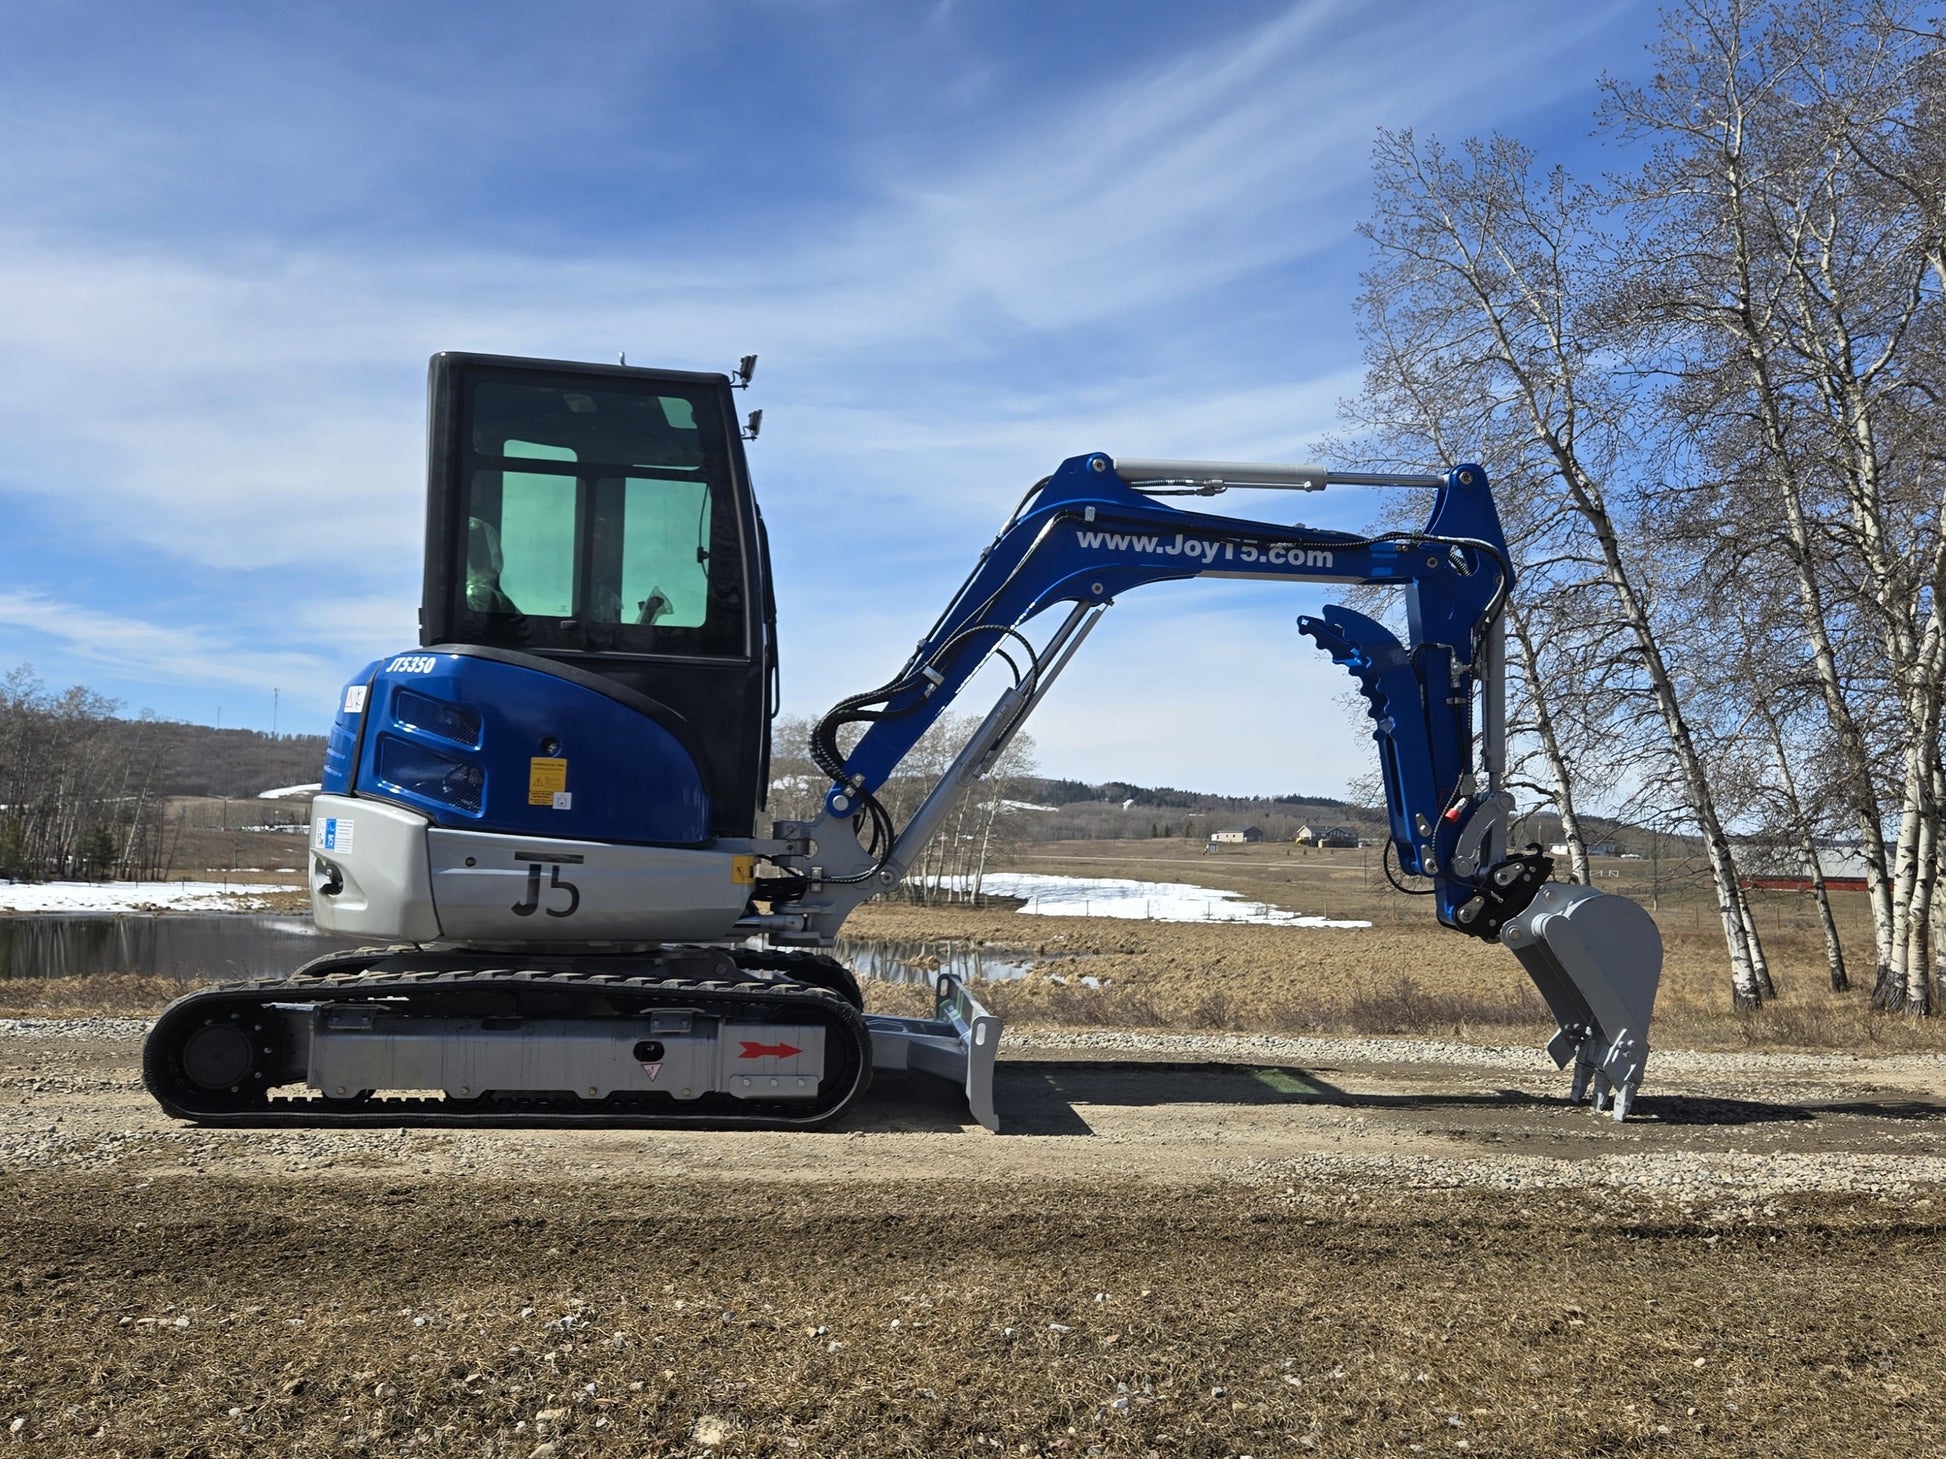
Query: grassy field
{"points": [[1403, 974]]}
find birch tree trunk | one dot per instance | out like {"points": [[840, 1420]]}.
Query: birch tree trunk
{"points": [[1806, 841], [1561, 773], [1787, 280]]}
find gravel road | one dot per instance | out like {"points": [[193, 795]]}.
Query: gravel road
{"points": [[1302, 1119]]}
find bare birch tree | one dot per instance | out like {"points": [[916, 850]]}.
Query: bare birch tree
{"points": [[952, 866], [1782, 284], [77, 793], [1485, 274]]}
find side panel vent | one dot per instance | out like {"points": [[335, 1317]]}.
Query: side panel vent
{"points": [[419, 770], [455, 722]]}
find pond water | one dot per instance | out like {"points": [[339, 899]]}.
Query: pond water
{"points": [[170, 945], [239, 945]]}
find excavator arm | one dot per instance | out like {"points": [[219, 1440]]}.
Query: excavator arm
{"points": [[1096, 529]]}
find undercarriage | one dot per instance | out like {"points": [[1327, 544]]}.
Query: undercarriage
{"points": [[678, 1037]]}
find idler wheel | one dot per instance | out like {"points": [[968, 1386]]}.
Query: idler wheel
{"points": [[218, 1056], [214, 1061]]}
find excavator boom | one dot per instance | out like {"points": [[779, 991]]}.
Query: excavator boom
{"points": [[1094, 530]]}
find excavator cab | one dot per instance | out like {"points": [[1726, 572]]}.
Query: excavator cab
{"points": [[597, 520]]}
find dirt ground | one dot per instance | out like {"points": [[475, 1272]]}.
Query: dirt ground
{"points": [[1260, 1192], [646, 1315], [1185, 1245]]}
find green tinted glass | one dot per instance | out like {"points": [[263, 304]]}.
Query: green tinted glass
{"points": [[664, 558], [623, 538], [537, 533]]}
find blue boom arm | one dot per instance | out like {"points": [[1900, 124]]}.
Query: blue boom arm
{"points": [[1093, 530], [1086, 534]]}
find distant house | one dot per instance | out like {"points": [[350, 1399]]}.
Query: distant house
{"points": [[1236, 836], [1595, 848], [1338, 836], [1785, 868]]}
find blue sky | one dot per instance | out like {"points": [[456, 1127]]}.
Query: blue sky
{"points": [[967, 240]]}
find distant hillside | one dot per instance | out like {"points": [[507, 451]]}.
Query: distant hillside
{"points": [[195, 759], [1072, 810], [83, 791]]}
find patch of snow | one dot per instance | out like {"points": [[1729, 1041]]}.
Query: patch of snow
{"points": [[1141, 901], [126, 896], [1026, 805], [290, 792]]}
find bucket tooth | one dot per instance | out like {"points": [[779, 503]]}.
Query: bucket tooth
{"points": [[1603, 1094], [1624, 1061], [1597, 961], [1624, 1100], [1584, 1073]]}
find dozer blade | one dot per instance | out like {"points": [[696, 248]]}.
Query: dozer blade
{"points": [[1597, 960], [959, 1042]]}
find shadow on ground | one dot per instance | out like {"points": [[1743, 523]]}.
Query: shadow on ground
{"points": [[1041, 1098]]}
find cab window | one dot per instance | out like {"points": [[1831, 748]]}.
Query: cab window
{"points": [[601, 520]]}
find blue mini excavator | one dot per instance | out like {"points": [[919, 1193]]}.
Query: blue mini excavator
{"points": [[548, 817]]}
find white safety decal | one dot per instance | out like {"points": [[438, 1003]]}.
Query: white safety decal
{"points": [[334, 834], [563, 800], [355, 698]]}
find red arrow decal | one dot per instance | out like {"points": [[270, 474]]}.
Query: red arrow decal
{"points": [[769, 1051]]}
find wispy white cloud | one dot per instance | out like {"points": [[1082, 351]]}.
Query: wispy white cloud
{"points": [[261, 408], [152, 652], [945, 310], [357, 626], [1232, 700]]}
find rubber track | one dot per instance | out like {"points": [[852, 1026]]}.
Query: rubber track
{"points": [[459, 994]]}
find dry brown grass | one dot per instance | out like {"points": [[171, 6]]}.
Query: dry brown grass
{"points": [[110, 995], [1395, 977], [1400, 1006], [1423, 983]]}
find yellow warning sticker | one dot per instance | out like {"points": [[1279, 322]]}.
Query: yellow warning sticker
{"points": [[743, 870], [546, 780]]}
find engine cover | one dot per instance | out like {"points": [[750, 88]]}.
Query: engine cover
{"points": [[527, 748]]}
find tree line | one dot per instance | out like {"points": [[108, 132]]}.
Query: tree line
{"points": [[85, 793], [1707, 388]]}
